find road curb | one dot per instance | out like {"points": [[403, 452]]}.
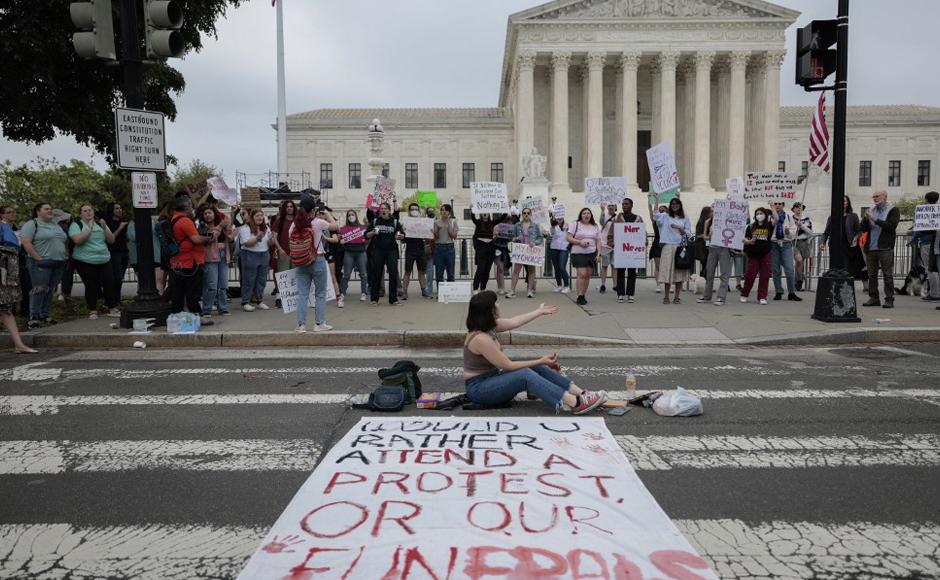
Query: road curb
{"points": [[847, 336]]}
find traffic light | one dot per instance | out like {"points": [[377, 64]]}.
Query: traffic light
{"points": [[96, 36], [815, 60], [164, 19]]}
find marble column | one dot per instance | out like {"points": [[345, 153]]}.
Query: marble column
{"points": [[724, 107], [667, 73], [754, 141], [629, 63], [525, 108], [772, 62], [687, 116], [656, 86], [683, 129], [703, 111], [559, 158], [737, 113], [595, 114]]}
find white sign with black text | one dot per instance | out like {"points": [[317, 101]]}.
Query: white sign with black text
{"points": [[141, 139], [289, 292], [144, 189], [927, 217], [489, 197]]}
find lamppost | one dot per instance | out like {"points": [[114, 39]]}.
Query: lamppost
{"points": [[376, 151]]}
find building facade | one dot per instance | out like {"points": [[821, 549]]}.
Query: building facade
{"points": [[591, 84]]}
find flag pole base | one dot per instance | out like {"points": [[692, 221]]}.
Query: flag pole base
{"points": [[835, 298]]}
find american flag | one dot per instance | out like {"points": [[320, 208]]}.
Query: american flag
{"points": [[819, 136]]}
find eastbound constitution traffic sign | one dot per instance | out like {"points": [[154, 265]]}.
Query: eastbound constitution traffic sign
{"points": [[141, 142]]}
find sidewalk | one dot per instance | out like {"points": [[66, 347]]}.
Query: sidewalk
{"points": [[425, 323]]}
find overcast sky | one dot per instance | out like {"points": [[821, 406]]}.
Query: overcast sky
{"points": [[444, 53]]}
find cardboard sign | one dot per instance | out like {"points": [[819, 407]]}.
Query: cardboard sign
{"points": [[289, 293], [629, 245], [448, 292], [352, 234], [526, 254], [384, 193], [735, 188], [538, 208], [427, 198], [418, 227], [927, 217], [604, 190], [488, 197], [144, 188], [662, 165], [559, 211], [729, 221], [475, 497], [770, 186], [504, 231]]}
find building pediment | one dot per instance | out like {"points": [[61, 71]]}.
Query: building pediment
{"points": [[655, 9]]}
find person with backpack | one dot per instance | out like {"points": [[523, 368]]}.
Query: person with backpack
{"points": [[674, 229], [93, 261], [385, 232], [308, 257], [186, 264]]}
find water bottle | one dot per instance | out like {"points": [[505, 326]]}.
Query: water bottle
{"points": [[629, 383]]}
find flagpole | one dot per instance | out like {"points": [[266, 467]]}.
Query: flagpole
{"points": [[281, 98]]}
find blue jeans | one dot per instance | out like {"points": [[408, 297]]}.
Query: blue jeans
{"points": [[359, 262], [444, 257], [429, 278], [254, 274], [498, 387], [559, 260], [44, 278], [782, 255], [316, 273], [214, 285]]}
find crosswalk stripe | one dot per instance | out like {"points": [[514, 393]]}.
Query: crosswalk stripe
{"points": [[737, 550], [655, 453]]}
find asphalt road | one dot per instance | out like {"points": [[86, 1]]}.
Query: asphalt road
{"points": [[808, 462]]}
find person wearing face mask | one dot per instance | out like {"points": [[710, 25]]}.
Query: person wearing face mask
{"points": [[782, 251], [354, 258], [415, 256], [757, 245], [385, 232], [484, 248]]}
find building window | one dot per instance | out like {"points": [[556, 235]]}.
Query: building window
{"points": [[496, 172], [894, 173], [440, 176], [411, 176], [864, 173], [923, 172], [804, 168], [469, 174], [355, 176], [385, 170], [326, 176], [782, 166]]}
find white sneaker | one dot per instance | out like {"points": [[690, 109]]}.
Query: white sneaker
{"points": [[701, 301], [719, 302], [341, 302], [763, 302], [631, 299], [530, 294], [114, 313], [93, 316], [263, 306], [363, 298], [566, 290], [510, 294], [322, 328], [744, 299], [248, 308], [659, 290], [301, 329], [558, 289]]}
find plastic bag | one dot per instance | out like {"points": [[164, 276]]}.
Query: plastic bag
{"points": [[678, 403], [183, 323]]}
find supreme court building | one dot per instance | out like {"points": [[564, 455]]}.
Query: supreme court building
{"points": [[591, 84]]}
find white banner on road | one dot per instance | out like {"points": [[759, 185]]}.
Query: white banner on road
{"points": [[770, 186], [927, 217], [728, 223], [527, 255], [489, 197], [629, 245], [604, 190], [418, 227], [289, 293], [475, 498]]}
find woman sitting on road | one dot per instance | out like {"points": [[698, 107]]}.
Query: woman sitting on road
{"points": [[492, 379]]}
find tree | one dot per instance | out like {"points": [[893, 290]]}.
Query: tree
{"points": [[63, 186], [47, 89]]}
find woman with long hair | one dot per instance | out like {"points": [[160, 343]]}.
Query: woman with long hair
{"points": [[528, 233], [484, 250], [584, 235], [256, 243], [281, 228], [93, 261], [10, 293], [354, 258], [702, 238], [558, 251], [493, 379], [502, 237], [674, 229], [308, 237], [215, 269], [757, 242], [47, 252], [114, 218], [851, 248]]}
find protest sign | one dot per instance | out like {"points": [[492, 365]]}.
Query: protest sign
{"points": [[427, 198], [352, 234], [657, 199], [538, 208], [604, 190], [289, 293], [662, 165], [384, 192], [526, 254], [559, 211], [770, 186], [488, 197], [475, 498], [729, 221], [504, 231], [448, 292], [418, 227], [927, 217], [735, 188], [629, 245]]}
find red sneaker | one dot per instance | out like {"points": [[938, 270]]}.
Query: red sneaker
{"points": [[587, 402]]}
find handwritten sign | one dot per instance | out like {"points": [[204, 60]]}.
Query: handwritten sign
{"points": [[504, 231], [629, 245], [729, 221], [735, 188], [418, 227], [770, 186], [352, 234], [489, 197], [927, 217], [451, 292], [384, 192], [604, 190], [144, 187], [657, 199], [526, 254], [538, 208], [290, 294], [559, 211], [475, 497], [427, 198], [662, 165]]}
